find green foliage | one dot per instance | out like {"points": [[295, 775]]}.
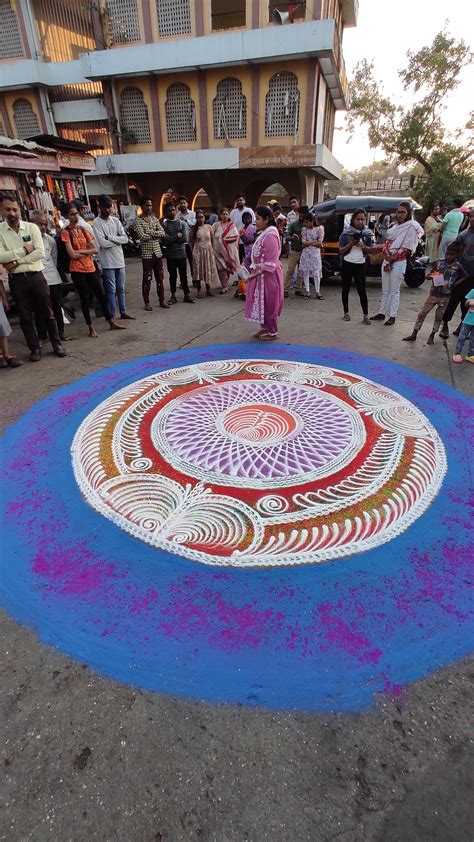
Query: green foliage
{"points": [[414, 132]]}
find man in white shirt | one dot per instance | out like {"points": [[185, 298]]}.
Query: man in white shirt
{"points": [[110, 236], [189, 217], [50, 272], [293, 213], [236, 217]]}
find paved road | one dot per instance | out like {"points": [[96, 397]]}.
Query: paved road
{"points": [[85, 758]]}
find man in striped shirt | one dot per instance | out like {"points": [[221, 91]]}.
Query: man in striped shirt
{"points": [[175, 239]]}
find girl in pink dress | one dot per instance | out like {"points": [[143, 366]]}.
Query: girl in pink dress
{"points": [[310, 265], [264, 300]]}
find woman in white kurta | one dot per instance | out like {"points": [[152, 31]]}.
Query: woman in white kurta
{"points": [[402, 240]]}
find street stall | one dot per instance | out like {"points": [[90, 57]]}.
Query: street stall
{"points": [[43, 171]]}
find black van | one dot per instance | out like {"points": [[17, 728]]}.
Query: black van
{"points": [[331, 214]]}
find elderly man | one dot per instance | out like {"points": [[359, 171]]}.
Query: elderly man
{"points": [[50, 271], [22, 254]]}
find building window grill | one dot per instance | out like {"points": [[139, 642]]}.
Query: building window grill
{"points": [[2, 128], [229, 110], [282, 106], [174, 17], [10, 42], [134, 122], [180, 114], [26, 121], [124, 21]]}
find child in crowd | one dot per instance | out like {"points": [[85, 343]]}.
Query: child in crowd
{"points": [[310, 265], [247, 237], [6, 359], [444, 276], [466, 332]]}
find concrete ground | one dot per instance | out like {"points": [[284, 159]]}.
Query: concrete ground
{"points": [[85, 758]]}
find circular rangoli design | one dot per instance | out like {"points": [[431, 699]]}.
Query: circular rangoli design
{"points": [[250, 463]]}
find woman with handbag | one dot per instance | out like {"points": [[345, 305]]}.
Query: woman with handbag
{"points": [[226, 238], [355, 243], [402, 240]]}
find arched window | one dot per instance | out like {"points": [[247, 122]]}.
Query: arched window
{"points": [[229, 109], [26, 121], [180, 113], [10, 42], [134, 122], [124, 22], [282, 105], [174, 17]]}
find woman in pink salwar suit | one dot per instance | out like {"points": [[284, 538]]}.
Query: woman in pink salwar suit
{"points": [[264, 299]]}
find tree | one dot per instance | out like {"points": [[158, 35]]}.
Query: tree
{"points": [[415, 132]]}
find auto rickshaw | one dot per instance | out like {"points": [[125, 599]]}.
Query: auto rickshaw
{"points": [[332, 213]]}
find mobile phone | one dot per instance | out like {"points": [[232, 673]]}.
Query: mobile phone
{"points": [[26, 239], [356, 237]]}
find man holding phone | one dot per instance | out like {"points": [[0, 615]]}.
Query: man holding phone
{"points": [[22, 255]]}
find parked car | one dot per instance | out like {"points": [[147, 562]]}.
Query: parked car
{"points": [[331, 214]]}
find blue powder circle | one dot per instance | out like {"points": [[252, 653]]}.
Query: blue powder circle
{"points": [[325, 637]]}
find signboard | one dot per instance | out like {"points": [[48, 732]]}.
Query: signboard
{"points": [[12, 162], [76, 160], [277, 156]]}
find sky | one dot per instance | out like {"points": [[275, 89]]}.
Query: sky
{"points": [[385, 31]]}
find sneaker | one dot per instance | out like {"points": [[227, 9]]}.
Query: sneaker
{"points": [[366, 320], [457, 358], [346, 317], [35, 355], [379, 317], [59, 351], [469, 359]]}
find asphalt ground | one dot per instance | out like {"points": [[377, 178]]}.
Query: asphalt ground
{"points": [[86, 758]]}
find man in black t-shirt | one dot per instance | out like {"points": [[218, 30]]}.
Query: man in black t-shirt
{"points": [[175, 239]]}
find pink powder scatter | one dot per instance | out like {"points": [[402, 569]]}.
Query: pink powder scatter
{"points": [[144, 603], [339, 634], [72, 570], [68, 403]]}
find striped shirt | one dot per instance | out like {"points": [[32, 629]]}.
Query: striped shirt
{"points": [[175, 248]]}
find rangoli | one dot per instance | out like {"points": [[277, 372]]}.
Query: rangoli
{"points": [[254, 462]]}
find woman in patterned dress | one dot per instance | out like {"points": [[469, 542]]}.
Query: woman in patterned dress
{"points": [[201, 241], [264, 300], [226, 239], [310, 265]]}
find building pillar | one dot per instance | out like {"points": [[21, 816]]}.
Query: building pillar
{"points": [[307, 181]]}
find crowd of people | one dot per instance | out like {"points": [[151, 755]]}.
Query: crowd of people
{"points": [[214, 248]]}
